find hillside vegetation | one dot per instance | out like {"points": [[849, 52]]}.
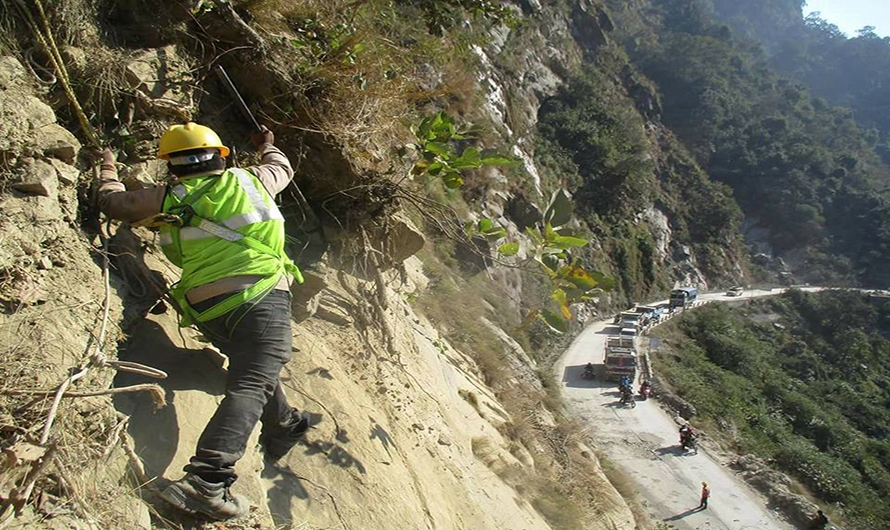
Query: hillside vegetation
{"points": [[802, 169], [848, 70], [801, 379]]}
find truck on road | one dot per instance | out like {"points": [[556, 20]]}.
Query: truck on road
{"points": [[683, 297], [621, 358], [630, 319]]}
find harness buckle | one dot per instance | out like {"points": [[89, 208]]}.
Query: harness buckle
{"points": [[160, 219]]}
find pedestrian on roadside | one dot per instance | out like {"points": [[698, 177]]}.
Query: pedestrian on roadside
{"points": [[821, 521], [705, 493]]}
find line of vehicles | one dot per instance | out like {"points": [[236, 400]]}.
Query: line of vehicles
{"points": [[621, 359]]}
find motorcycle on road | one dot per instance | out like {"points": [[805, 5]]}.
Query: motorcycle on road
{"points": [[627, 398]]}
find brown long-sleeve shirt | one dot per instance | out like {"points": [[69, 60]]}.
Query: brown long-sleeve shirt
{"points": [[275, 173]]}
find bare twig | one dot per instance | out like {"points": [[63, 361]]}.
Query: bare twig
{"points": [[65, 482], [157, 393]]}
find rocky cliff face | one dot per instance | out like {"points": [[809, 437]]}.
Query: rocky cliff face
{"points": [[523, 68], [433, 411]]}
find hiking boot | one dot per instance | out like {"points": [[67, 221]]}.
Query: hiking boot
{"points": [[276, 446], [195, 495]]}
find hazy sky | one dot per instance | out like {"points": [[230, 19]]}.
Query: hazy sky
{"points": [[851, 15]]}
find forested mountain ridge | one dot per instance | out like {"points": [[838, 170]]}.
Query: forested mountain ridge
{"points": [[848, 70], [800, 168]]}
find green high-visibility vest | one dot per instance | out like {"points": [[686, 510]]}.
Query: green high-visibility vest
{"points": [[230, 227]]}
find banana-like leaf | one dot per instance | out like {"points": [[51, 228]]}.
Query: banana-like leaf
{"points": [[559, 211], [566, 242], [452, 180], [435, 168], [439, 148], [495, 234], [578, 277], [606, 283], [561, 298], [509, 249], [549, 232], [469, 159], [491, 157], [554, 321], [490, 230], [551, 263]]}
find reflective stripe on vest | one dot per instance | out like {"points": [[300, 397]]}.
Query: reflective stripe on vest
{"points": [[262, 212], [210, 248], [234, 204]]}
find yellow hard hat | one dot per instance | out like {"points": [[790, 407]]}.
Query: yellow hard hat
{"points": [[189, 136]]}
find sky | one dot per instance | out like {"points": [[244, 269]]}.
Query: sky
{"points": [[851, 15]]}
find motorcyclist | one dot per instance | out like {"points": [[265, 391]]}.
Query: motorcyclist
{"points": [[625, 383], [588, 370], [627, 394]]}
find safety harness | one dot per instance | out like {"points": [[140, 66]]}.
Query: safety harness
{"points": [[182, 216]]}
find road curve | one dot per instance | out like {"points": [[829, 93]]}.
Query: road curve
{"points": [[643, 442]]}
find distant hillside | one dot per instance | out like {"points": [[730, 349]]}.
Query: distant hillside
{"points": [[802, 170], [848, 70]]}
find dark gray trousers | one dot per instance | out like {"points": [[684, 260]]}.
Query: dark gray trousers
{"points": [[257, 339]]}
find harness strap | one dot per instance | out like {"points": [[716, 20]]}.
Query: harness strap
{"points": [[257, 290], [189, 220]]}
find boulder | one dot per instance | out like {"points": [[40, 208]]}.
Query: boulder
{"points": [[660, 229], [37, 178], [586, 25], [37, 113], [149, 71], [12, 73], [22, 113], [156, 78], [75, 58], [148, 173], [306, 296], [402, 239], [67, 175], [55, 140]]}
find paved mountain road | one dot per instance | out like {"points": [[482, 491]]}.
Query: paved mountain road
{"points": [[644, 442]]}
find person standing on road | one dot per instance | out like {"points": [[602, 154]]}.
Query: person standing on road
{"points": [[705, 493], [222, 227]]}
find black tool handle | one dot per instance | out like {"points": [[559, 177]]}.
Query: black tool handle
{"points": [[239, 101]]}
